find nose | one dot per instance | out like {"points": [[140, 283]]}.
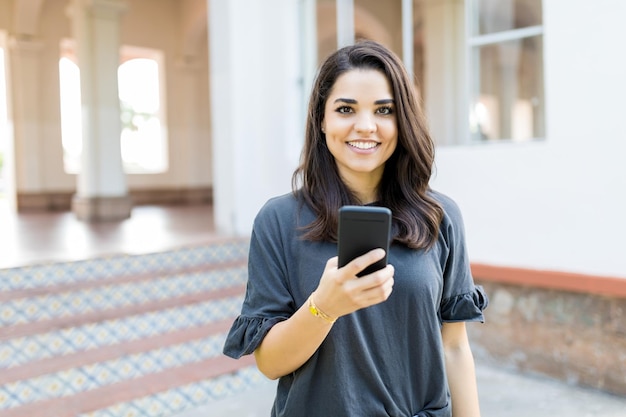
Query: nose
{"points": [[365, 124]]}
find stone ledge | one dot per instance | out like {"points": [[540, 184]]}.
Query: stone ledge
{"points": [[62, 200], [102, 208], [567, 326]]}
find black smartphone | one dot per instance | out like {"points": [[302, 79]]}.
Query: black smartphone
{"points": [[361, 229]]}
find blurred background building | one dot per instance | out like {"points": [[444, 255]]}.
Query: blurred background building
{"points": [[107, 105]]}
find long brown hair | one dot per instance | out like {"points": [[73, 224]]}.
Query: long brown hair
{"points": [[404, 184]]}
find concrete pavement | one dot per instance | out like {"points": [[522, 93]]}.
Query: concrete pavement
{"points": [[505, 393]]}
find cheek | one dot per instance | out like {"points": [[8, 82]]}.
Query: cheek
{"points": [[390, 130]]}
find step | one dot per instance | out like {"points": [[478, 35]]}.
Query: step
{"points": [[83, 337], [117, 292], [50, 274], [218, 377], [93, 337], [78, 378], [240, 382]]}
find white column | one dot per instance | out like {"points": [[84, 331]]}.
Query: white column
{"points": [[444, 78], [345, 23], [308, 50], [189, 154], [6, 125], [25, 75], [256, 91], [407, 35], [101, 189]]}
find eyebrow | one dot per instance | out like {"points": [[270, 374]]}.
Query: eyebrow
{"points": [[353, 101]]}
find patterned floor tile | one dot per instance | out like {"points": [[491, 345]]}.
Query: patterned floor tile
{"points": [[17, 352], [52, 306], [185, 397], [45, 275], [81, 379]]}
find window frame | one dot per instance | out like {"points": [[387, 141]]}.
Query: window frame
{"points": [[473, 43]]}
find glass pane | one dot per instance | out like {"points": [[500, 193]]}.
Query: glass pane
{"points": [[71, 115], [142, 141], [508, 102], [500, 15]]}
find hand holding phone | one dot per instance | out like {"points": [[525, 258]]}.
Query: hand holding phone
{"points": [[361, 229]]}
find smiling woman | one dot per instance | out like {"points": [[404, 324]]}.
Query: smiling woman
{"points": [[359, 340], [361, 129]]}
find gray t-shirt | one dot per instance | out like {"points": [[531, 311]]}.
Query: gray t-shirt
{"points": [[384, 360]]}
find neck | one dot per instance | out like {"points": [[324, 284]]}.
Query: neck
{"points": [[366, 192], [363, 185]]}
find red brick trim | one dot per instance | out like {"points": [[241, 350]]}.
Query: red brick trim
{"points": [[565, 281]]}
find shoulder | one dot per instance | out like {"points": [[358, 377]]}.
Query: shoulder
{"points": [[451, 229], [279, 205], [451, 210], [281, 209]]}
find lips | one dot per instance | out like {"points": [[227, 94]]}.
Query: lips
{"points": [[363, 144]]}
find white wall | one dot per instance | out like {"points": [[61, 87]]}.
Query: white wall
{"points": [[559, 204], [256, 85]]}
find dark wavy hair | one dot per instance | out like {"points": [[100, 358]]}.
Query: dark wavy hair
{"points": [[404, 184]]}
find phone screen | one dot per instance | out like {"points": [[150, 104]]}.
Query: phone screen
{"points": [[361, 229]]}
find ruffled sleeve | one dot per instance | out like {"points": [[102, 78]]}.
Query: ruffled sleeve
{"points": [[268, 299], [246, 335], [465, 307], [461, 299]]}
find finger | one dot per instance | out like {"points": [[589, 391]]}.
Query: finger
{"points": [[378, 278], [381, 292], [378, 294], [332, 262], [360, 263]]}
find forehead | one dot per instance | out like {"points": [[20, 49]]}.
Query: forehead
{"points": [[363, 84]]}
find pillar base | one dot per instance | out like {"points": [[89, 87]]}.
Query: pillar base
{"points": [[93, 209]]}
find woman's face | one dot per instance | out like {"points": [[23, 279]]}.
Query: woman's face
{"points": [[360, 126]]}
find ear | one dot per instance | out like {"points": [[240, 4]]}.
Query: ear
{"points": [[323, 126]]}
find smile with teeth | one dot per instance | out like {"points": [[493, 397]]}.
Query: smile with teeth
{"points": [[363, 144]]}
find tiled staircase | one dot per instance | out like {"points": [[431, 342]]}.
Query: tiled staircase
{"points": [[122, 336]]}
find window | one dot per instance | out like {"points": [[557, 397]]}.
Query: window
{"points": [[143, 138], [506, 97], [144, 144], [71, 126]]}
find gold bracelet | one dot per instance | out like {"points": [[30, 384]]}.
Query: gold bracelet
{"points": [[319, 313]]}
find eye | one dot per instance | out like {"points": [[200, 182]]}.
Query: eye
{"points": [[385, 110], [344, 109]]}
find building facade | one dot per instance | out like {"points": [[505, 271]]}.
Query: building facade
{"points": [[524, 97]]}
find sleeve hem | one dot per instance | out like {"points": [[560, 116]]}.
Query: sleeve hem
{"points": [[465, 307], [246, 334]]}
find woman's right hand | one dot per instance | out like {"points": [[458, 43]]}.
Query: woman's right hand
{"points": [[290, 343], [341, 292]]}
